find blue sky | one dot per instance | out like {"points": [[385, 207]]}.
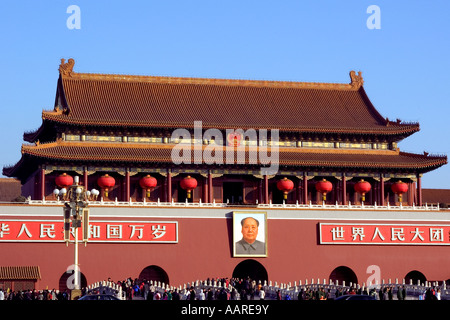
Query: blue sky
{"points": [[405, 64]]}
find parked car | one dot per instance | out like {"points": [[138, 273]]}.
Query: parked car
{"points": [[353, 297], [99, 297]]}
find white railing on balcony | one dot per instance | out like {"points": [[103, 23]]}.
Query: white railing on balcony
{"points": [[214, 204]]}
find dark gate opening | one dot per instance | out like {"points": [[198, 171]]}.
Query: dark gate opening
{"points": [[343, 273], [66, 281], [154, 273], [233, 192], [251, 269], [415, 276]]}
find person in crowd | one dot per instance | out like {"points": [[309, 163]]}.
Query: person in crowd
{"points": [[262, 294], [192, 294], [399, 293], [202, 295]]}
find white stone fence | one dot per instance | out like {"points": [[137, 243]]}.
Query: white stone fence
{"points": [[413, 291], [215, 204], [106, 287]]}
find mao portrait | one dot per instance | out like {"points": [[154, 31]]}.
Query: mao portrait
{"points": [[249, 234]]}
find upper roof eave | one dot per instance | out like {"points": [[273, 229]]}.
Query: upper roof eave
{"points": [[33, 135], [398, 129], [130, 152]]}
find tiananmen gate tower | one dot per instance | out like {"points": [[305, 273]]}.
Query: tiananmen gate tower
{"points": [[181, 162]]}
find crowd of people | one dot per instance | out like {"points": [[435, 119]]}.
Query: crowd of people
{"points": [[34, 294], [219, 289], [387, 293], [431, 294], [383, 293], [309, 293], [225, 289]]}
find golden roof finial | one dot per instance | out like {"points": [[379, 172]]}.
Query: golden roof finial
{"points": [[66, 69], [356, 79]]}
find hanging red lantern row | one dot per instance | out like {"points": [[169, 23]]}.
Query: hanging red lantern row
{"points": [[188, 184], [285, 185], [148, 183], [324, 186], [399, 188], [363, 187], [64, 180], [106, 182]]}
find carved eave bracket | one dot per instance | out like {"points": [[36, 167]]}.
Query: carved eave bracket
{"points": [[66, 68], [356, 79]]}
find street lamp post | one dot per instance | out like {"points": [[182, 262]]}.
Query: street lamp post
{"points": [[75, 212]]}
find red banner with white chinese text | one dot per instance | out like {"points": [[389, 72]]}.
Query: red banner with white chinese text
{"points": [[99, 231], [391, 234]]}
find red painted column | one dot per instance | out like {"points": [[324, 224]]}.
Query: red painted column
{"points": [[42, 180], [419, 190], [410, 193], [381, 190], [205, 194], [127, 185], [85, 179], [266, 189], [169, 186], [305, 189], [210, 188], [344, 190]]}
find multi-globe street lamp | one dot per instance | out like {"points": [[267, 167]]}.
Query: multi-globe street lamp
{"points": [[76, 200]]}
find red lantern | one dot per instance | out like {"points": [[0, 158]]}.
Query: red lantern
{"points": [[234, 139], [106, 182], [399, 188], [147, 183], [188, 184], [63, 180], [324, 187], [285, 185], [363, 187]]}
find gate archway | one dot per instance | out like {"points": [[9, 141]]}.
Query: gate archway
{"points": [[65, 282], [154, 273], [252, 269], [415, 276], [343, 273]]}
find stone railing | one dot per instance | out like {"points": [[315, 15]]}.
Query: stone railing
{"points": [[106, 287], [413, 291], [214, 204]]}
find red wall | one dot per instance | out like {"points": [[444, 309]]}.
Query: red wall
{"points": [[205, 250]]}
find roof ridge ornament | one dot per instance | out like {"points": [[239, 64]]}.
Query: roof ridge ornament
{"points": [[356, 79], [66, 69]]}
